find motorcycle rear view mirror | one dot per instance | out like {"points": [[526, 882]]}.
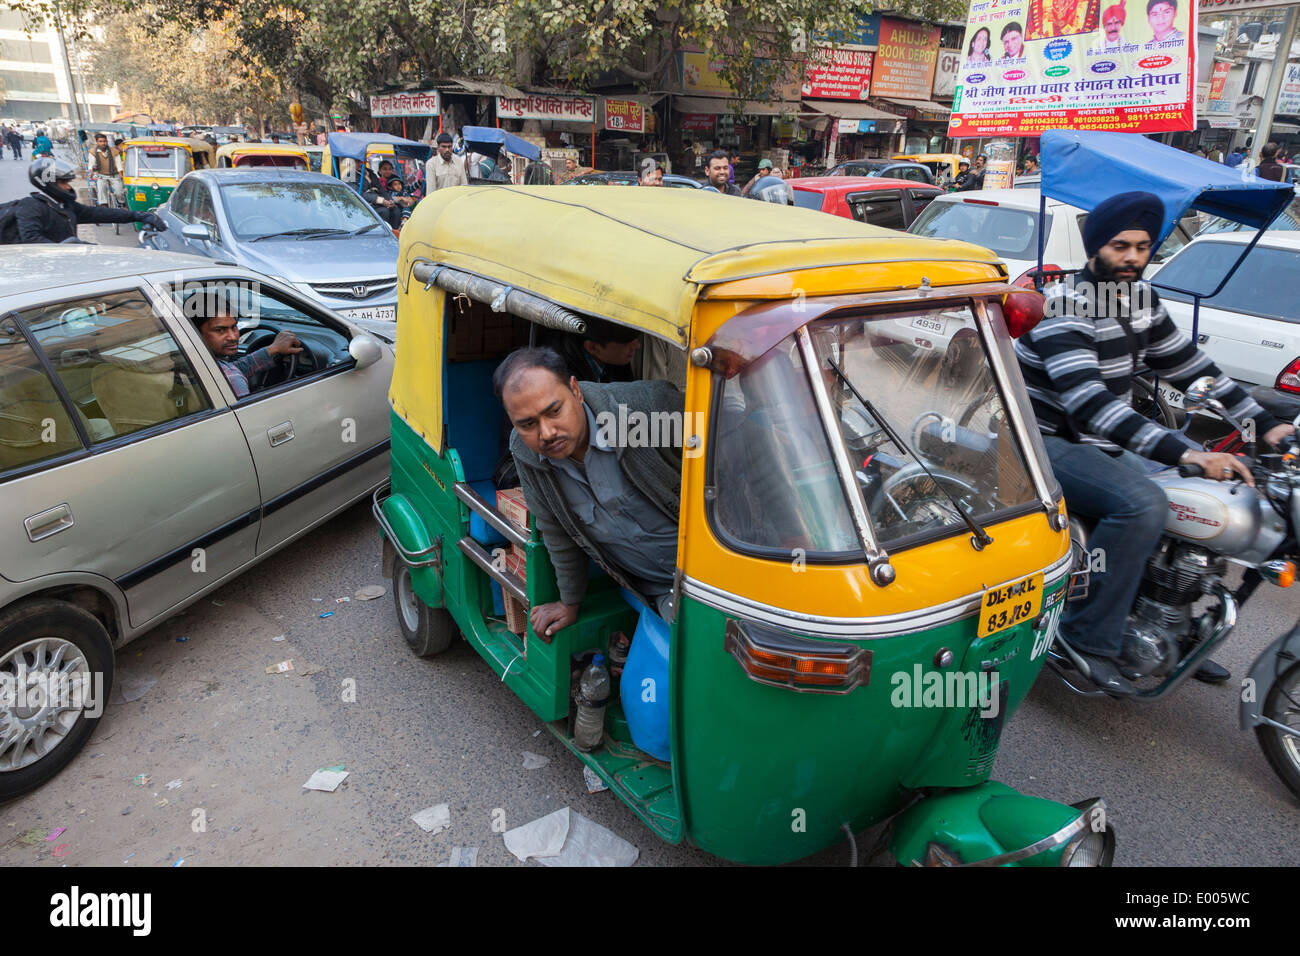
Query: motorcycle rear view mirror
{"points": [[1198, 394]]}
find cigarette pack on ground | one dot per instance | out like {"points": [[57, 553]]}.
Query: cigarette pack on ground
{"points": [[510, 502]]}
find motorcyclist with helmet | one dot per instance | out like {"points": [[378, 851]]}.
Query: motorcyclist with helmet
{"points": [[53, 213], [770, 187]]}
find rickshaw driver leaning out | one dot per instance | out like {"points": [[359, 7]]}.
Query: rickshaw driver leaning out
{"points": [[1078, 365], [593, 495]]}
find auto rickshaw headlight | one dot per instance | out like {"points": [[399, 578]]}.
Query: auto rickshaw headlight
{"points": [[778, 659]]}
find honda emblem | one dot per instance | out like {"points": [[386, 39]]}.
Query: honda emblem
{"points": [[359, 291]]}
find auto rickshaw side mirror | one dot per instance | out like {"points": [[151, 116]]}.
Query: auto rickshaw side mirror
{"points": [[1022, 310], [364, 350]]}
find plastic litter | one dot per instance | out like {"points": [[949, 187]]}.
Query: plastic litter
{"points": [[178, 862], [219, 603], [565, 838], [594, 783], [328, 614], [326, 780], [342, 600], [126, 812], [281, 667], [433, 819], [174, 784], [141, 780], [131, 687], [181, 640], [278, 637], [464, 856], [369, 592], [56, 833], [63, 849], [534, 761]]}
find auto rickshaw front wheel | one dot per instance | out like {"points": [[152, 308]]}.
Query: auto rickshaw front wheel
{"points": [[428, 631]]}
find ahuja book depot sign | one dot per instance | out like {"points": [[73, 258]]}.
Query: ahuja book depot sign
{"points": [[1035, 65]]}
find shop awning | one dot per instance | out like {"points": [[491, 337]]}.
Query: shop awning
{"points": [[718, 105], [851, 111], [461, 84], [923, 106]]}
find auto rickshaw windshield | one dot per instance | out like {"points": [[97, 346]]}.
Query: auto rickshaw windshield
{"points": [[164, 161], [776, 484]]}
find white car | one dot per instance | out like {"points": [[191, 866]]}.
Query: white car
{"points": [[1251, 329]]}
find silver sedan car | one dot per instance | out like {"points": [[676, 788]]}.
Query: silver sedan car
{"points": [[148, 454], [307, 229]]}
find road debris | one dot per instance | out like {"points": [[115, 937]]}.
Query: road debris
{"points": [[141, 780], [181, 640], [128, 686], [178, 862], [534, 761], [464, 856], [328, 614], [32, 836], [565, 838], [369, 592], [594, 783], [342, 600], [174, 784], [278, 637], [326, 780], [56, 833], [433, 819], [281, 667], [62, 850]]}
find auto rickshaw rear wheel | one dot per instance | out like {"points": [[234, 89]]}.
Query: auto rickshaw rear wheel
{"points": [[428, 631]]}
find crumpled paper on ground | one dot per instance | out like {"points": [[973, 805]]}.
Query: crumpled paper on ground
{"points": [[327, 780], [564, 838], [433, 819]]}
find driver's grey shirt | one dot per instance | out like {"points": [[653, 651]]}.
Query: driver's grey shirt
{"points": [[239, 371], [639, 536]]}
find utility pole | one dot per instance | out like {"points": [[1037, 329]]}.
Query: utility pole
{"points": [[1275, 77], [67, 67]]}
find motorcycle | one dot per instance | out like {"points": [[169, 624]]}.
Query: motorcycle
{"points": [[1210, 526]]}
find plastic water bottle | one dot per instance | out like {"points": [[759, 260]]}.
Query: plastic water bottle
{"points": [[593, 695]]}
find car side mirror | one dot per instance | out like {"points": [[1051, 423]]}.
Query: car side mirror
{"points": [[197, 231], [365, 350]]}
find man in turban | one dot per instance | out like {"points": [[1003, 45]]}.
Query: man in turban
{"points": [[1102, 324]]}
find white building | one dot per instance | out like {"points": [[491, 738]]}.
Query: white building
{"points": [[34, 77]]}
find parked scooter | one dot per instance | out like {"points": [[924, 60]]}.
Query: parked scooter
{"points": [[1210, 525]]}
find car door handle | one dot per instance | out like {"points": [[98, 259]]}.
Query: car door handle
{"points": [[49, 522], [281, 433]]}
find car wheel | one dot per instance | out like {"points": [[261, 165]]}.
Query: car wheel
{"points": [[56, 672], [428, 631]]}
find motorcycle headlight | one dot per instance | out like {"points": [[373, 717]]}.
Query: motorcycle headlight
{"points": [[1090, 848]]}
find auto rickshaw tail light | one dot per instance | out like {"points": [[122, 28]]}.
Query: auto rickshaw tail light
{"points": [[780, 659], [1022, 311]]}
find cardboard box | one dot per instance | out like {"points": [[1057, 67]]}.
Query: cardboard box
{"points": [[511, 504], [516, 611]]}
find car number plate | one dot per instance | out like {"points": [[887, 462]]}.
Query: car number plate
{"points": [[927, 323], [383, 313], [1010, 604]]}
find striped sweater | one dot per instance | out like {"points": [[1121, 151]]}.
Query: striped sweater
{"points": [[1078, 368]]}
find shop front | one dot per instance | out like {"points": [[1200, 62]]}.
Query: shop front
{"points": [[629, 129], [552, 120], [753, 129], [858, 131], [927, 124]]}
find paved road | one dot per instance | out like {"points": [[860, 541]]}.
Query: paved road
{"points": [[14, 184], [1184, 785]]}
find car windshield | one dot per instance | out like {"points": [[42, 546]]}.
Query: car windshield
{"points": [[807, 199], [267, 208], [1288, 220], [776, 485], [1011, 233], [1263, 285], [859, 169]]}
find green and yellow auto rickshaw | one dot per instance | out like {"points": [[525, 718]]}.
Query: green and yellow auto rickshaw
{"points": [[152, 168], [872, 550]]}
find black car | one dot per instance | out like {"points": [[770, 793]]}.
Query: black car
{"points": [[886, 168]]}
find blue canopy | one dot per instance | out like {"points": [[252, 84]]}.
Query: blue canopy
{"points": [[1085, 168], [354, 145], [491, 136]]}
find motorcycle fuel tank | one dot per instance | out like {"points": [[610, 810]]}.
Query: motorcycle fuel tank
{"points": [[1225, 517]]}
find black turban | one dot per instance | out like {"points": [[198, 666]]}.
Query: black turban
{"points": [[1135, 210]]}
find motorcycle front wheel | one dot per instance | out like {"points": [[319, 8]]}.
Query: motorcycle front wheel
{"points": [[1282, 704]]}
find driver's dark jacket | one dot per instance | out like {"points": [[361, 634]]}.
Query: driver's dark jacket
{"points": [[239, 371], [40, 219]]}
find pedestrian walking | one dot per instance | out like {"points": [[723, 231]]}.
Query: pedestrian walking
{"points": [[15, 141], [1269, 167]]}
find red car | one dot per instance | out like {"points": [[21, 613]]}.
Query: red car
{"points": [[892, 203]]}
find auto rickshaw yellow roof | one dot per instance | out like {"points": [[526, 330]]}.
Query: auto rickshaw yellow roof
{"points": [[273, 149], [641, 256], [161, 141]]}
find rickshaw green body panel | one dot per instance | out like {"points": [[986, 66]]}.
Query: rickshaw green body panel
{"points": [[790, 779], [154, 196]]}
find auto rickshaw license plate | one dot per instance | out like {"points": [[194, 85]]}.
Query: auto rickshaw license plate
{"points": [[1010, 604]]}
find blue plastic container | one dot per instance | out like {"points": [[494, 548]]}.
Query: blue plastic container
{"points": [[643, 691]]}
